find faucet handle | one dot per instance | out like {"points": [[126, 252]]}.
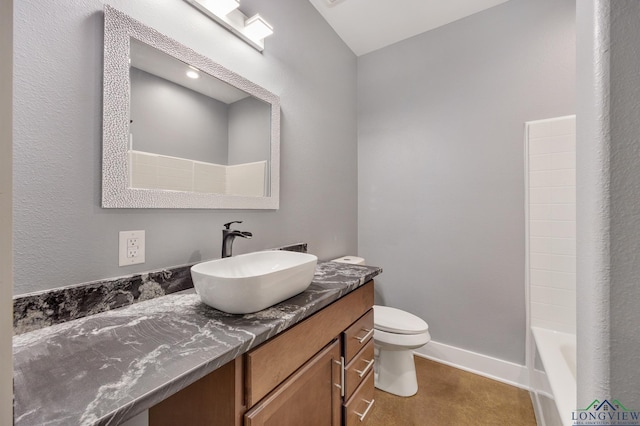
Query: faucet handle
{"points": [[228, 225]]}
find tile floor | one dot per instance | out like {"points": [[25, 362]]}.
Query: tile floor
{"points": [[449, 396]]}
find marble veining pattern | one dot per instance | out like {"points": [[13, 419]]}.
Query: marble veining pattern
{"points": [[42, 309], [105, 368]]}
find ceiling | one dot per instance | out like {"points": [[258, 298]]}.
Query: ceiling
{"points": [[368, 25]]}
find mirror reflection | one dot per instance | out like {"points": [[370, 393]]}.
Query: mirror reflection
{"points": [[192, 132], [173, 141]]}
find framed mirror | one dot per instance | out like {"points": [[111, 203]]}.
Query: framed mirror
{"points": [[180, 130]]}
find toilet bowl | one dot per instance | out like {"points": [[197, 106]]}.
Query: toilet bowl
{"points": [[396, 333]]}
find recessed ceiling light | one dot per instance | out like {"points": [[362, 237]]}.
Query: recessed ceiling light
{"points": [[193, 73]]}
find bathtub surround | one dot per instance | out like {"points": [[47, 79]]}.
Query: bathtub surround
{"points": [[154, 171], [608, 184], [551, 226], [550, 280], [42, 309], [124, 361], [441, 165], [62, 236]]}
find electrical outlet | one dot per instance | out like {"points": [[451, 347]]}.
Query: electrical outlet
{"points": [[131, 248]]}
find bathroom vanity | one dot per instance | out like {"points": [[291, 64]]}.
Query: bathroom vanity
{"points": [[310, 374], [304, 358]]}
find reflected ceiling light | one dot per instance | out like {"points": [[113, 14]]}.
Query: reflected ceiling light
{"points": [[226, 13], [193, 72]]}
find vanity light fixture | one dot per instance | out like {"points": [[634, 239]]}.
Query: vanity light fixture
{"points": [[226, 13], [256, 28], [220, 7]]}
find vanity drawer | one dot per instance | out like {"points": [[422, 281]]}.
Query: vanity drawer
{"points": [[271, 363], [357, 336], [358, 368], [358, 408]]}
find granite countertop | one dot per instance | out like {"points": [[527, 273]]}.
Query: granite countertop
{"points": [[108, 367]]}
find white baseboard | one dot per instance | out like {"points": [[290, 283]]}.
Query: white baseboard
{"points": [[473, 362]]}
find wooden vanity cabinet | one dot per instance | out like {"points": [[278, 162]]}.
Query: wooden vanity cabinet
{"points": [[318, 372]]}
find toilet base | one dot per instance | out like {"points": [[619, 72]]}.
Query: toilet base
{"points": [[396, 372]]}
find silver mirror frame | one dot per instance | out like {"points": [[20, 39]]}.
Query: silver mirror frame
{"points": [[119, 28]]}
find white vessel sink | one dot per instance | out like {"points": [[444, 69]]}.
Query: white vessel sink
{"points": [[251, 282]]}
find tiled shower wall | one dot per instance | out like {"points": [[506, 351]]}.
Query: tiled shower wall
{"points": [[155, 171], [551, 146]]}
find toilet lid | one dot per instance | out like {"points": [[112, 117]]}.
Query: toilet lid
{"points": [[394, 320]]}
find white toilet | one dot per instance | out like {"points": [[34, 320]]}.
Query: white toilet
{"points": [[396, 334]]}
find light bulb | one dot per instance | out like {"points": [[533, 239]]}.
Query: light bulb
{"points": [[220, 7]]}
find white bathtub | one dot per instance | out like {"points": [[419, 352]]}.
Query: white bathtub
{"points": [[558, 353]]}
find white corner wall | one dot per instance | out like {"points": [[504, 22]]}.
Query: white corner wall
{"points": [[608, 201], [6, 280], [551, 226], [593, 181]]}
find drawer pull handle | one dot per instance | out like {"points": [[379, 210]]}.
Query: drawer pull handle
{"points": [[366, 336], [363, 415], [361, 373], [341, 384]]}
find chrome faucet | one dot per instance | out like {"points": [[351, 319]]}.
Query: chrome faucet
{"points": [[228, 235]]}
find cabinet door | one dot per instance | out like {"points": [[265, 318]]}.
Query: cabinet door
{"points": [[309, 397], [216, 399]]}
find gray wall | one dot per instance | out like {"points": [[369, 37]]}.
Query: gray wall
{"points": [[170, 119], [249, 131], [441, 166], [608, 202], [61, 234]]}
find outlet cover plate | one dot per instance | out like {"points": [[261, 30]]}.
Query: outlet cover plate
{"points": [[131, 249]]}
